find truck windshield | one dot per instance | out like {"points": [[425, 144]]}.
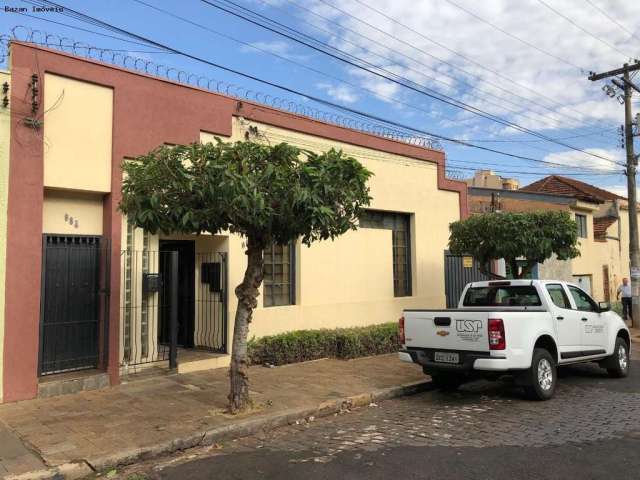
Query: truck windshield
{"points": [[502, 296]]}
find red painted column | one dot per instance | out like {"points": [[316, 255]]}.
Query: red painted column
{"points": [[24, 240]]}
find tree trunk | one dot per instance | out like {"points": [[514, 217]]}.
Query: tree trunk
{"points": [[247, 293], [513, 263]]}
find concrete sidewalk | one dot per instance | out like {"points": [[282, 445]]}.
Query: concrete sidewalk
{"points": [[147, 417]]}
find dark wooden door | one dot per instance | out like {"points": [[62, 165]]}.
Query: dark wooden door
{"points": [[186, 290], [70, 303]]}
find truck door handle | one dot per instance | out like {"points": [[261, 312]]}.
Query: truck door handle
{"points": [[584, 319], [560, 318], [442, 321]]}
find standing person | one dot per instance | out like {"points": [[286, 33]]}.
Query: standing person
{"points": [[624, 290]]}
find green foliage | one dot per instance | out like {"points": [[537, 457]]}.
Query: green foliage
{"points": [[304, 345], [534, 236], [617, 307], [271, 194]]}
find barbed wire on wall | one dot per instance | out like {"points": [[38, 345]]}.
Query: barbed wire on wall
{"points": [[453, 174], [123, 58]]}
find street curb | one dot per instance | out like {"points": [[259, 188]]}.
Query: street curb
{"points": [[249, 427], [66, 471]]}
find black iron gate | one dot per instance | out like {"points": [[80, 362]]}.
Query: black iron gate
{"points": [[74, 303], [458, 271], [170, 298]]}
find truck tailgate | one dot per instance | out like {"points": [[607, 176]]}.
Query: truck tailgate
{"points": [[447, 330]]}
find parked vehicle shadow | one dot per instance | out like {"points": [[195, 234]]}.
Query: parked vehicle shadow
{"points": [[579, 375]]}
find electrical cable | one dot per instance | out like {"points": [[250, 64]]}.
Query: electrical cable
{"points": [[604, 42], [103, 24], [441, 45], [418, 88], [370, 40]]}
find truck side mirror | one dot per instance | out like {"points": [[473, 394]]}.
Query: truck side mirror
{"points": [[604, 306]]}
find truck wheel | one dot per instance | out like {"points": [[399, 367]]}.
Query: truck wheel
{"points": [[542, 376], [618, 363], [447, 381]]}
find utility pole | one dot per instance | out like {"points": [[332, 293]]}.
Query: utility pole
{"points": [[627, 86]]}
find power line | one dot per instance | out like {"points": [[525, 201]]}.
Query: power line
{"points": [[87, 18], [441, 45], [501, 168], [289, 60], [613, 20], [417, 88], [521, 40], [307, 67], [604, 42], [93, 32], [413, 59], [520, 140], [368, 39]]}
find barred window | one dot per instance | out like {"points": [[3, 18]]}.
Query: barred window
{"points": [[399, 224], [279, 275], [581, 220]]}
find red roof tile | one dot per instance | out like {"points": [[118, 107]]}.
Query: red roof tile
{"points": [[600, 226], [559, 185]]}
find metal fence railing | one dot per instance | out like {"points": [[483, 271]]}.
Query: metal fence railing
{"points": [[171, 300]]}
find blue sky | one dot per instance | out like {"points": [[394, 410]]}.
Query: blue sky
{"points": [[525, 62]]}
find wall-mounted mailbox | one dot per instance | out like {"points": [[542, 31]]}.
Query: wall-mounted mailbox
{"points": [[211, 274], [151, 283]]}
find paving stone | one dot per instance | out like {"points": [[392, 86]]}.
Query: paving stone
{"points": [[580, 413], [152, 411]]}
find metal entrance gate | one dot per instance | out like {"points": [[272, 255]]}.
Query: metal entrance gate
{"points": [[74, 303], [172, 297], [458, 271]]}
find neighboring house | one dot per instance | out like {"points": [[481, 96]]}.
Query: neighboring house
{"points": [[85, 290], [488, 179], [602, 223]]}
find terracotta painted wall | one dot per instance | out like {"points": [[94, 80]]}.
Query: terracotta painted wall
{"points": [[5, 132], [149, 112]]}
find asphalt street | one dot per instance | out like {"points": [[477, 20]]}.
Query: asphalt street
{"points": [[486, 430]]}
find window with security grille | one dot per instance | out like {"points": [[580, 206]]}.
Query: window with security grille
{"points": [[399, 224], [279, 275]]}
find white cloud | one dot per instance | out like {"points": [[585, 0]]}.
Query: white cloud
{"points": [[573, 158], [341, 93], [563, 96]]}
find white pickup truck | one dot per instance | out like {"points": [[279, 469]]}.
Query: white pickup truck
{"points": [[523, 328]]}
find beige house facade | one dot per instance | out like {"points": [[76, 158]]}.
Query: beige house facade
{"points": [[102, 293], [602, 219]]}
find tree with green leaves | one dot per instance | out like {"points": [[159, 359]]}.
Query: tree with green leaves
{"points": [[267, 194], [530, 236]]}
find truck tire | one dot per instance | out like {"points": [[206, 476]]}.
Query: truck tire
{"points": [[618, 363], [542, 377], [447, 381]]}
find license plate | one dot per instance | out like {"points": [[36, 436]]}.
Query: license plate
{"points": [[446, 357]]}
